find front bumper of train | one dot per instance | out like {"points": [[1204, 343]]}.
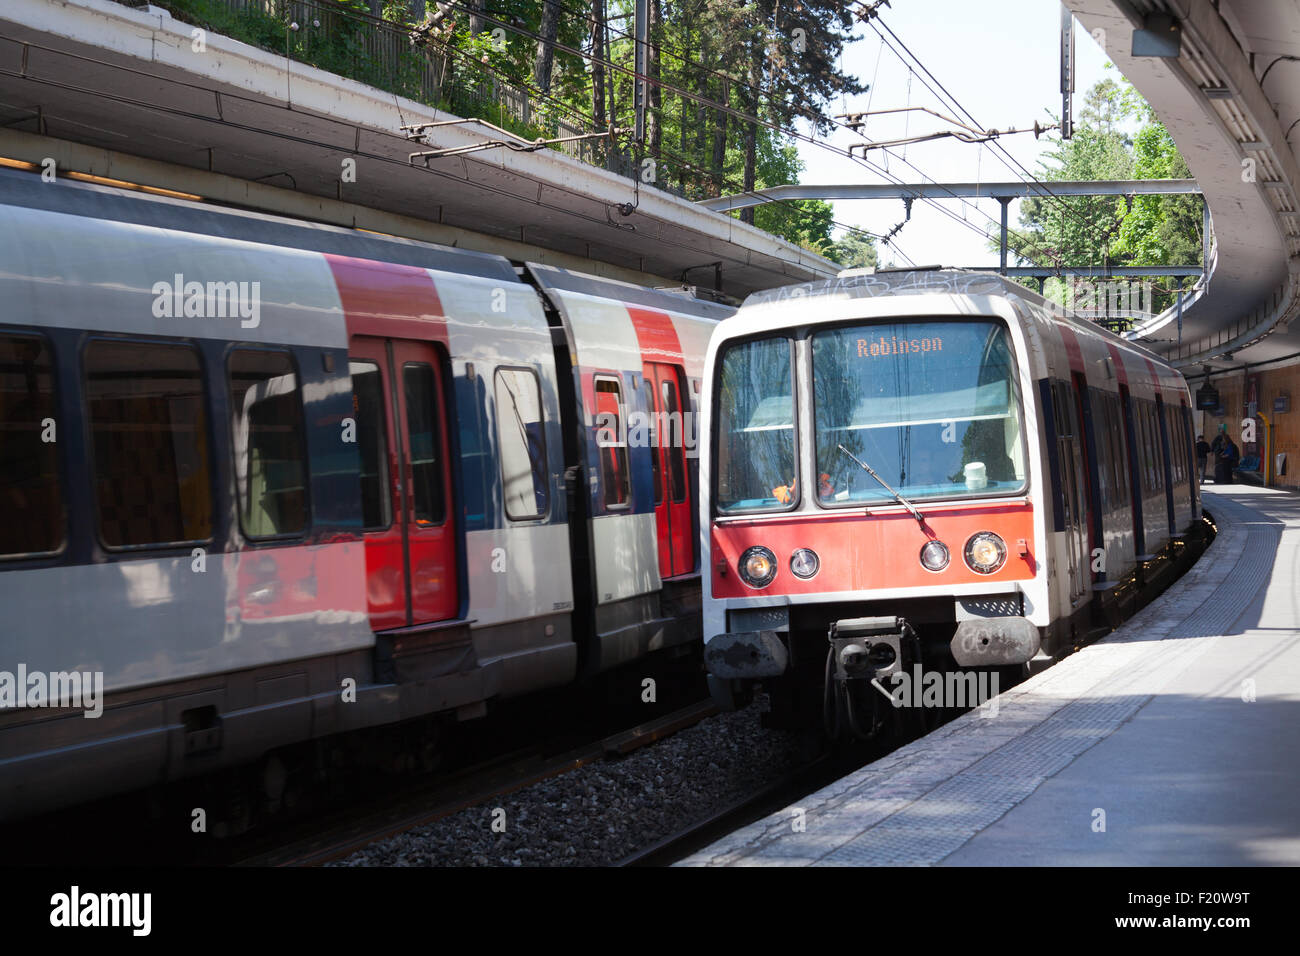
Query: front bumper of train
{"points": [[977, 642]]}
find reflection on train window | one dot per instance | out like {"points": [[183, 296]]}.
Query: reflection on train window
{"points": [[756, 446], [674, 441], [29, 475], [521, 428], [270, 458], [372, 442], [932, 406], [652, 434], [149, 442], [425, 444], [611, 439]]}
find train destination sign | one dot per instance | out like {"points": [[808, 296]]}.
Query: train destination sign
{"points": [[895, 346]]}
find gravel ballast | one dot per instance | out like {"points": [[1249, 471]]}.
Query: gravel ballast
{"points": [[600, 813]]}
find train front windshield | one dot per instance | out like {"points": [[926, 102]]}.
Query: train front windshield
{"points": [[932, 406]]}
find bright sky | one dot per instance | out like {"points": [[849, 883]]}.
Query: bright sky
{"points": [[1001, 60]]}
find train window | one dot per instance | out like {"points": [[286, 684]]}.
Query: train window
{"points": [[1158, 446], [149, 440], [611, 438], [372, 441], [1116, 429], [29, 474], [522, 428], [270, 451], [932, 406], [428, 504], [755, 444], [1102, 442], [1145, 450], [1155, 463], [1109, 451], [674, 441], [1178, 441], [656, 463]]}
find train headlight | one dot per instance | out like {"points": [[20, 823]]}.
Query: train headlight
{"points": [[985, 552], [757, 566], [935, 556], [804, 563]]}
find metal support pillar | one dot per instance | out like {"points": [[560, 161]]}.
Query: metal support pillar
{"points": [[1002, 241]]}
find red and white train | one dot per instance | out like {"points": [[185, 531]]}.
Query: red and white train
{"points": [[928, 467], [266, 481]]}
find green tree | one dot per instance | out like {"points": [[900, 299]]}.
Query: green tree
{"points": [[1093, 230], [1160, 230], [856, 250]]}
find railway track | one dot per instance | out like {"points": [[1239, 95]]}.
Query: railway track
{"points": [[345, 833], [800, 782]]}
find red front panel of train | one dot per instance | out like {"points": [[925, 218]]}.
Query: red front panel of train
{"points": [[875, 552]]}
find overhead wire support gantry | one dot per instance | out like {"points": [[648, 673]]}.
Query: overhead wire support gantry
{"points": [[418, 131]]}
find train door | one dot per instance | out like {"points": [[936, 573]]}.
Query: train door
{"points": [[668, 457], [397, 387], [1070, 455]]}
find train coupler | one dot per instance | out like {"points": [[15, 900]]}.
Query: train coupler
{"points": [[866, 648], [862, 651]]}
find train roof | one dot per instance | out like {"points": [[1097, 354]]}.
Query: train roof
{"points": [[120, 205], [862, 285], [556, 279]]}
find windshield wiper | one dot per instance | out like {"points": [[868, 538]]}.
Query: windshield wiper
{"points": [[899, 498]]}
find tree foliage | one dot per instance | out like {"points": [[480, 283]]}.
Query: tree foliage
{"points": [[727, 78], [856, 250], [1093, 230]]}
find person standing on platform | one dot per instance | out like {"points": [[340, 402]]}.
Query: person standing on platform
{"points": [[1230, 457], [1216, 449], [1202, 454]]}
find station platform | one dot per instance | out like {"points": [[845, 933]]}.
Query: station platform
{"points": [[1173, 741]]}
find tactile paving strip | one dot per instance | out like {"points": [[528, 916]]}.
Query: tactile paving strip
{"points": [[1239, 588]]}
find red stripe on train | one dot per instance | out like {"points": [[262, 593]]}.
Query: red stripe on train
{"points": [[877, 551], [389, 300], [1071, 343], [1155, 378], [656, 335], [1121, 373]]}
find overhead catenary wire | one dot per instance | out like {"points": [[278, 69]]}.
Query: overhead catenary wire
{"points": [[816, 117], [1044, 189], [735, 112], [696, 97]]}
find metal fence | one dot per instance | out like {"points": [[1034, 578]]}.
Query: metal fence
{"points": [[392, 57]]}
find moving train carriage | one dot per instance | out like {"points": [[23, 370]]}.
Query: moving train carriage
{"points": [[925, 467], [637, 358], [272, 481]]}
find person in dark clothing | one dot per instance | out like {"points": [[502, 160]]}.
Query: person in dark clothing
{"points": [[1229, 456], [1202, 454]]}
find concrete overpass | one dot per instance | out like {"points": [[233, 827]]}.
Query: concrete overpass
{"points": [[1231, 101]]}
